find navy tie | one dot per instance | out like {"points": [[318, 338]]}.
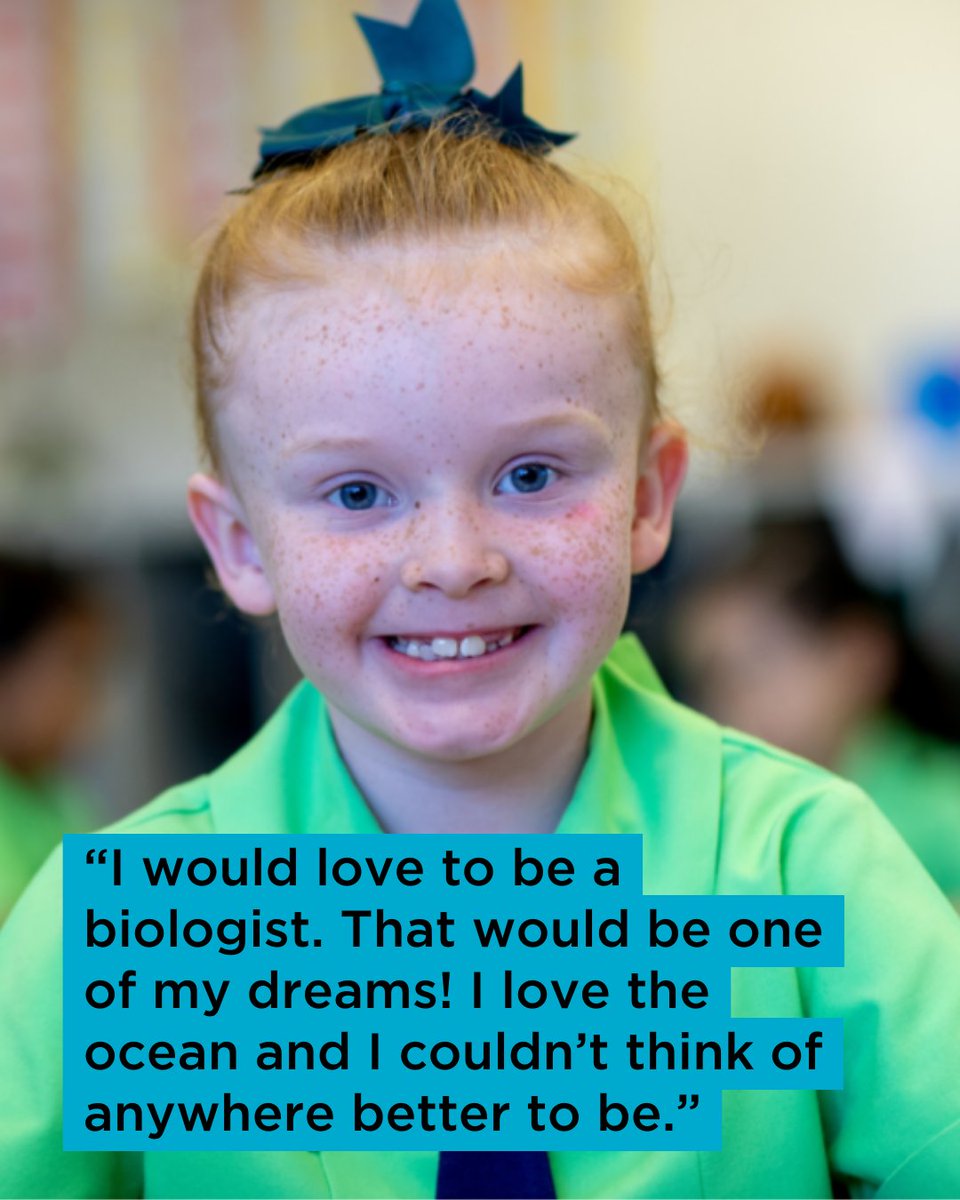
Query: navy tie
{"points": [[495, 1175]]}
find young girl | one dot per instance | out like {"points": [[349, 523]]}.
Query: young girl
{"points": [[428, 393]]}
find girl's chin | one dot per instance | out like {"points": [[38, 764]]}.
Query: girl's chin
{"points": [[464, 729], [456, 732], [453, 748], [487, 735]]}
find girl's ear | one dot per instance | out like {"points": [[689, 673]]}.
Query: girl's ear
{"points": [[220, 521], [665, 464]]}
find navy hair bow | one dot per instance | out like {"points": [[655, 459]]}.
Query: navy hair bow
{"points": [[424, 67]]}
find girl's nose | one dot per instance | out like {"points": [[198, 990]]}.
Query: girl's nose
{"points": [[455, 557]]}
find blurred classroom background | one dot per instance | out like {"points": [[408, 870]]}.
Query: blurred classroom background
{"points": [[793, 167]]}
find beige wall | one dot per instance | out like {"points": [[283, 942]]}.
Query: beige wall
{"points": [[806, 189]]}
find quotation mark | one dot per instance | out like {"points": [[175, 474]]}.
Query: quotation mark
{"points": [[687, 1102], [101, 857]]}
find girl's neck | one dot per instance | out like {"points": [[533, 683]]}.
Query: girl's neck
{"points": [[522, 789]]}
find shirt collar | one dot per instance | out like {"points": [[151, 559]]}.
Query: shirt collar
{"points": [[653, 767]]}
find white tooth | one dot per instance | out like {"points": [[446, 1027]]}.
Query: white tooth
{"points": [[412, 649], [426, 653], [473, 646], [505, 641], [444, 647]]}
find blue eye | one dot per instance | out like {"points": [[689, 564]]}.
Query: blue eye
{"points": [[528, 477], [359, 495]]}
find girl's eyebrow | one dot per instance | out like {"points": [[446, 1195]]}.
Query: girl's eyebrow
{"points": [[326, 445], [570, 417]]}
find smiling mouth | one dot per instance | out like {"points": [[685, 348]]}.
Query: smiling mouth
{"points": [[472, 645]]}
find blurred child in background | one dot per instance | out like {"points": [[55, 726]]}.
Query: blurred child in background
{"points": [[786, 642], [51, 643]]}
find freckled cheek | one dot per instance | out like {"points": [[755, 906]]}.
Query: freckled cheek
{"points": [[590, 543], [588, 576], [327, 593], [608, 507], [585, 569], [595, 585]]}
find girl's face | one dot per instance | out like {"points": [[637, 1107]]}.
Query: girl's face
{"points": [[49, 692], [441, 490], [756, 665]]}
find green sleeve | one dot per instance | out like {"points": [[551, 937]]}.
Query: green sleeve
{"points": [[894, 1127], [33, 819], [894, 1130], [32, 1161]]}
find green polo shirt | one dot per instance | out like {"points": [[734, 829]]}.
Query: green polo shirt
{"points": [[916, 782], [720, 814], [34, 816]]}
